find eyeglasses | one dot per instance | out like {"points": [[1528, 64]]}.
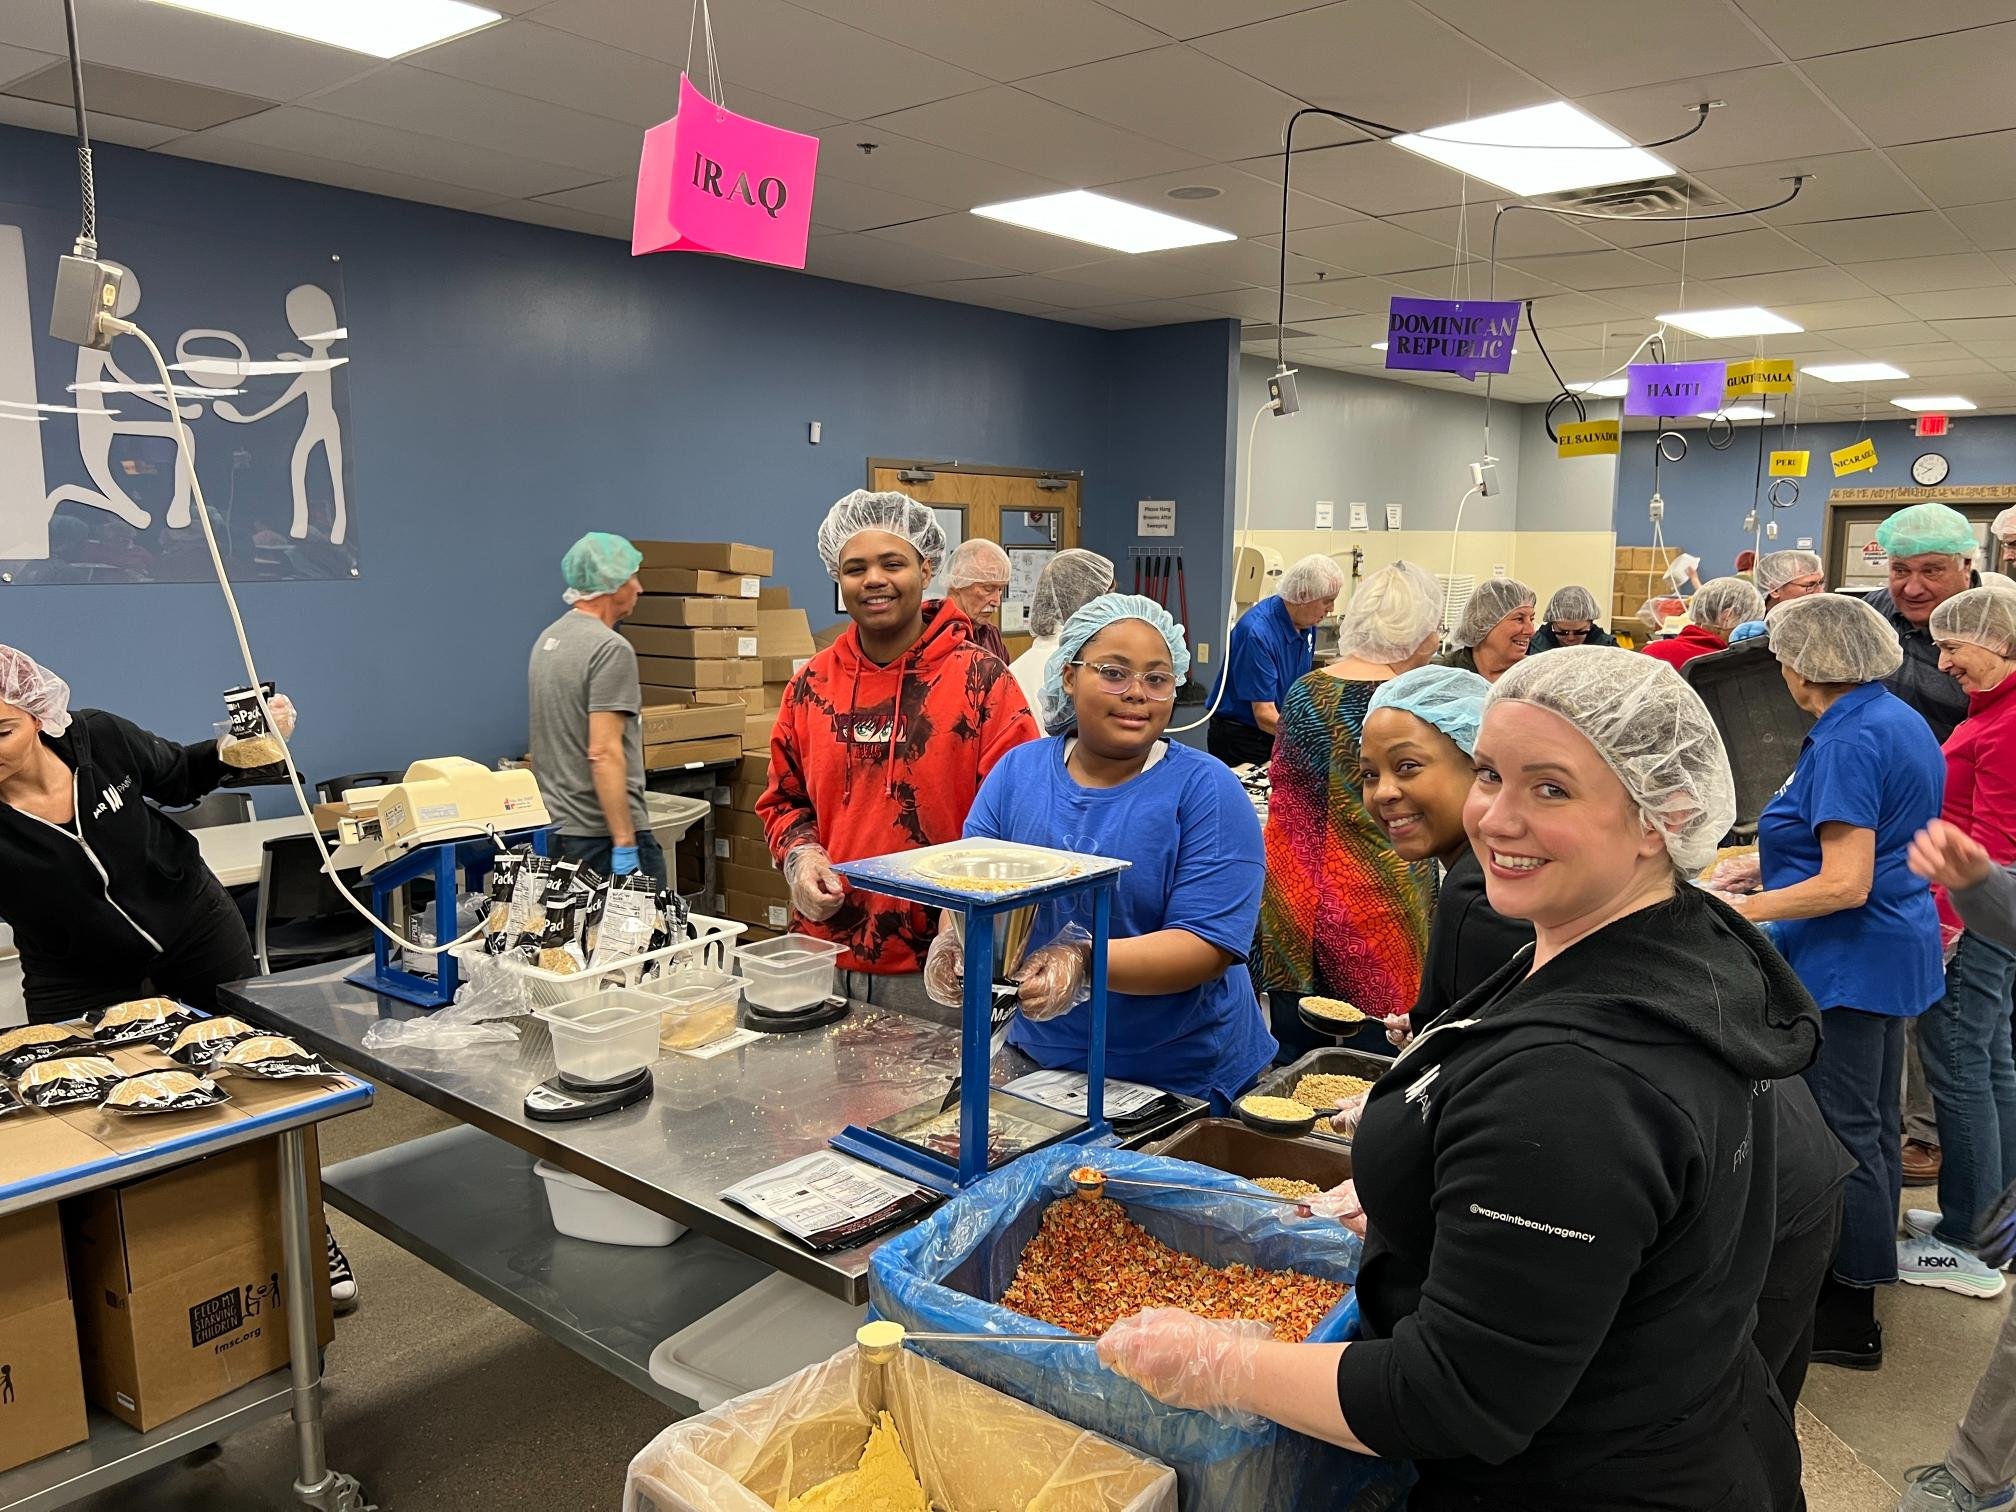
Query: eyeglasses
{"points": [[1159, 687], [1564, 633]]}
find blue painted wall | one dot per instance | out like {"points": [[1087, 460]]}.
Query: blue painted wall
{"points": [[512, 386], [1708, 494]]}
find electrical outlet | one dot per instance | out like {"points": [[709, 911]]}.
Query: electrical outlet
{"points": [[1203, 651]]}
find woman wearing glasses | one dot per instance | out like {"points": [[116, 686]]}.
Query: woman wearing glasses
{"points": [[1182, 1014], [1570, 620]]}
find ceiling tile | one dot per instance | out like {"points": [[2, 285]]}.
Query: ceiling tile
{"points": [[1880, 238], [982, 291], [38, 116], [1944, 86], [1579, 309], [1176, 94], [562, 218], [1375, 178], [1519, 235], [180, 44], [920, 169], [1473, 280], [1001, 42], [1647, 300], [856, 207], [1245, 262], [1005, 125], [1196, 18], [1843, 184], [864, 259], [1247, 204], [1811, 28], [369, 145], [614, 199], [1609, 269], [1922, 275], [1732, 253], [1105, 320], [19, 62], [1769, 112], [1587, 45], [1912, 337], [1260, 305], [1162, 312], [1054, 293], [1964, 170], [1363, 296], [1802, 286], [1150, 276], [1971, 332], [1991, 227], [1961, 304], [1367, 247], [209, 147], [139, 96], [1833, 314], [974, 238], [1349, 56], [779, 49]]}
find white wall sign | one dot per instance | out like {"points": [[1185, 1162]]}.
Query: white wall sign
{"points": [[1805, 543], [1155, 517], [1326, 514], [1392, 516], [1361, 518]]}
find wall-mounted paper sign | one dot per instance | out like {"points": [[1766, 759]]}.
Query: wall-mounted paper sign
{"points": [[1790, 464], [713, 181], [1589, 438], [1673, 388], [1392, 516], [1760, 375], [1155, 517], [1860, 457], [1461, 336], [1361, 518], [1326, 514]]}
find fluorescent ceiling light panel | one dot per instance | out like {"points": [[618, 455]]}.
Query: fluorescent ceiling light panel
{"points": [[1738, 412], [1100, 221], [1853, 372], [1937, 404], [1540, 150], [382, 28], [1720, 325], [1603, 388]]}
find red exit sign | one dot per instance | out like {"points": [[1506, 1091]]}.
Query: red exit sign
{"points": [[1933, 425]]}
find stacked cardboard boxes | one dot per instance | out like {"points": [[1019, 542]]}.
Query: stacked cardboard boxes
{"points": [[695, 632], [41, 1374], [1641, 573], [751, 888]]}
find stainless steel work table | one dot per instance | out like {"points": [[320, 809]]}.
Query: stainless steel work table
{"points": [[467, 1201]]}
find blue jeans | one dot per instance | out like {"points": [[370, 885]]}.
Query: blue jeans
{"points": [[1964, 1038], [1855, 1082], [593, 851]]}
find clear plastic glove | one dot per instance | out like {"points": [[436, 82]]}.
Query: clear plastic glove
{"points": [[1188, 1361], [1341, 1205], [282, 708], [1400, 1030], [1946, 855], [1057, 978], [1345, 1120], [622, 860], [816, 889], [1737, 875], [945, 968]]}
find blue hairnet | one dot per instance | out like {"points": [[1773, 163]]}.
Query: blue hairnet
{"points": [[1108, 608], [1927, 530], [598, 563], [1449, 698]]}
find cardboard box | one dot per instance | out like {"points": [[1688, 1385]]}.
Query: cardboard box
{"points": [[824, 638], [178, 1283], [706, 584], [755, 767], [683, 753], [767, 914], [742, 851], [783, 632], [41, 1372], [709, 556], [757, 730], [751, 881], [781, 669], [694, 644], [688, 672], [774, 598], [693, 613], [734, 699], [742, 823], [668, 722]]}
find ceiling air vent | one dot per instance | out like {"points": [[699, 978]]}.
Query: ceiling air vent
{"points": [[1675, 194]]}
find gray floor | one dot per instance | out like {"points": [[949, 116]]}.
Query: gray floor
{"points": [[439, 1402]]}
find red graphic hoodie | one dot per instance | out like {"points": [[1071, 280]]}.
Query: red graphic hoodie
{"points": [[866, 760]]}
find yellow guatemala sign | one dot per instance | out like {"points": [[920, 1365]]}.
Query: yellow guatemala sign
{"points": [[1588, 438], [1789, 464], [1761, 375], [1860, 457]]}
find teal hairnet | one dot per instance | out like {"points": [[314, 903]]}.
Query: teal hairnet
{"points": [[598, 563], [1927, 530], [1109, 608], [1449, 698]]}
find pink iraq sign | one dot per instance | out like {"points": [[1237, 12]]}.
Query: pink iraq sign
{"points": [[713, 181]]}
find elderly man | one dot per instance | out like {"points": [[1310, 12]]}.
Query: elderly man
{"points": [[1931, 550], [1782, 576], [1272, 646], [587, 739], [976, 579]]}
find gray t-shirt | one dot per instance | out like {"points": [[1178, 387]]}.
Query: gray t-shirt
{"points": [[581, 667]]}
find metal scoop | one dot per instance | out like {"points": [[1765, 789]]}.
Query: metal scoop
{"points": [[881, 1341], [1090, 1183]]}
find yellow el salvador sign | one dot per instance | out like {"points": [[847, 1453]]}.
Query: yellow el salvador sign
{"points": [[1761, 375], [1853, 459], [1588, 438], [1790, 464]]}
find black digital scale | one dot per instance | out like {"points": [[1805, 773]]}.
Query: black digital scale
{"points": [[562, 1098], [792, 1021]]}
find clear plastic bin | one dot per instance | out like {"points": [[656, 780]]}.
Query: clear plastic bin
{"points": [[605, 1036], [699, 1008], [791, 971], [713, 948]]}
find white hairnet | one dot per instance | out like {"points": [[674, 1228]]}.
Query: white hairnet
{"points": [[1650, 728], [1984, 617], [1314, 577], [1058, 712], [1777, 568], [1726, 602], [1394, 610], [977, 561], [2004, 528], [1491, 601], [1996, 580], [1835, 638], [1071, 580], [27, 685], [1449, 698], [898, 514], [1572, 603]]}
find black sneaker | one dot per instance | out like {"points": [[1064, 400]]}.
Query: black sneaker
{"points": [[342, 1280], [1851, 1351]]}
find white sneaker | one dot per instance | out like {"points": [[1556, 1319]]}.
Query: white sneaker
{"points": [[1925, 1261], [1920, 1222]]}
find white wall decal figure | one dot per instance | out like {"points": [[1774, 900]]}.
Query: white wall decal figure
{"points": [[311, 313], [24, 512]]}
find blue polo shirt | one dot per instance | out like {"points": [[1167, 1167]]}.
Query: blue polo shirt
{"points": [[1268, 654], [1869, 761]]}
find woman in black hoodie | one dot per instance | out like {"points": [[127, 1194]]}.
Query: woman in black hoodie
{"points": [[1558, 1284]]}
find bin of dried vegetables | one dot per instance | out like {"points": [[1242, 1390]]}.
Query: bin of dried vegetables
{"points": [[846, 1436], [956, 1270]]}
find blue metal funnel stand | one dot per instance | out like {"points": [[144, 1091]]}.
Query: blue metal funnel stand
{"points": [[984, 880], [443, 862]]}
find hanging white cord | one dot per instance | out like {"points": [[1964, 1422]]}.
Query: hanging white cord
{"points": [[1232, 577], [187, 457]]}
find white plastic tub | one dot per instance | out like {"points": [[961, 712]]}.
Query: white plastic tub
{"points": [[791, 971], [754, 1339], [605, 1036], [672, 814], [582, 1210], [700, 1011]]}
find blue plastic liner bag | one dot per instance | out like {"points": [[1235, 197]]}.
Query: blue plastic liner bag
{"points": [[943, 1275]]}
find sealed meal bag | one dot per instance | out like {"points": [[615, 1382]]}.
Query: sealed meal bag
{"points": [[503, 883], [65, 1080], [24, 1046], [145, 1021], [272, 1057], [200, 1043], [244, 739], [164, 1092], [10, 1100], [631, 920], [558, 944], [528, 905]]}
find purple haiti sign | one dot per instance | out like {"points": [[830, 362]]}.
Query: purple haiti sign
{"points": [[1674, 388], [1465, 336]]}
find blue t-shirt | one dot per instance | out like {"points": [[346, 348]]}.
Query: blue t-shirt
{"points": [[1267, 656], [1869, 761], [1189, 829]]}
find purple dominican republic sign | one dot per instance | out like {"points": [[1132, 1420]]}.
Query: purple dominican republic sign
{"points": [[1674, 388], [1465, 336]]}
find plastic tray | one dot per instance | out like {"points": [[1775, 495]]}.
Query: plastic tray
{"points": [[1331, 1060], [712, 948], [606, 1036], [582, 1210], [753, 1340], [699, 1007], [1225, 1144], [790, 972]]}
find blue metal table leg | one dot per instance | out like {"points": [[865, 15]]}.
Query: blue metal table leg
{"points": [[976, 1014], [1095, 1061]]}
